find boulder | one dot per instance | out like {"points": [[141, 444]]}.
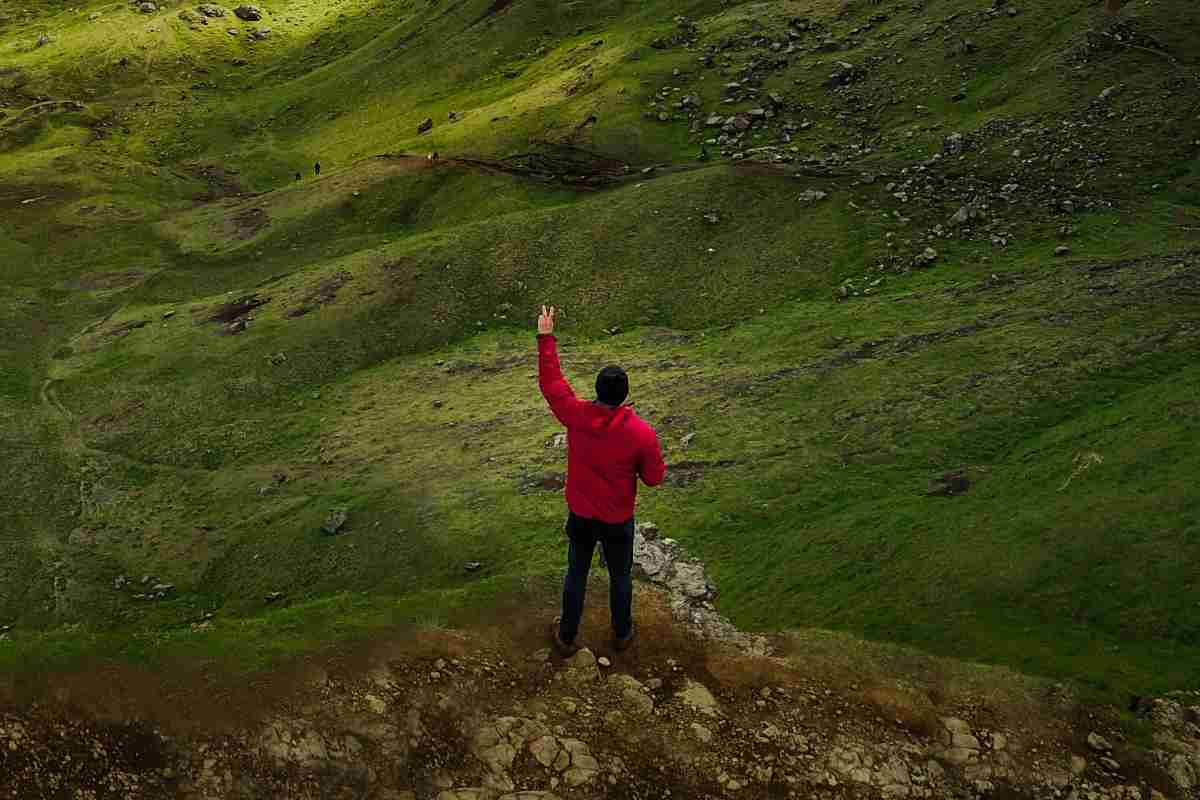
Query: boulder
{"points": [[248, 13], [697, 697]]}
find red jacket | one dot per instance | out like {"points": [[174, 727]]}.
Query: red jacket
{"points": [[608, 449]]}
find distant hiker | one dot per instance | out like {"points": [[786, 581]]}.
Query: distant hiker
{"points": [[609, 448], [317, 168], [299, 176], [432, 157]]}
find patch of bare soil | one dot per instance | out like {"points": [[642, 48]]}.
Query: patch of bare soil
{"points": [[221, 182], [126, 328], [32, 197], [684, 473], [235, 314], [495, 8], [248, 222], [552, 482], [108, 281], [556, 163], [323, 293]]}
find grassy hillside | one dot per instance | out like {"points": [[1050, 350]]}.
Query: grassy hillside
{"points": [[920, 277]]}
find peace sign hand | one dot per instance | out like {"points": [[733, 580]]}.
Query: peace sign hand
{"points": [[546, 321]]}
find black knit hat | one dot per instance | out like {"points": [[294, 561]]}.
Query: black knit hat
{"points": [[612, 386]]}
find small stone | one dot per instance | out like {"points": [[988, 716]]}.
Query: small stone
{"points": [[1098, 743], [1078, 765], [335, 522], [473, 566], [702, 733], [604, 661], [698, 697], [964, 740], [425, 126], [960, 755], [1062, 250], [147, 8], [545, 750]]}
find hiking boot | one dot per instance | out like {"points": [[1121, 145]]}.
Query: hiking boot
{"points": [[622, 643], [564, 649]]}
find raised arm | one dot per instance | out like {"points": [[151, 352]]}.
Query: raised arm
{"points": [[558, 393]]}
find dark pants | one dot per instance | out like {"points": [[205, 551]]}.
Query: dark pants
{"points": [[617, 542]]}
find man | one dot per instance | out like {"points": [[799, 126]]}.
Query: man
{"points": [[608, 449], [317, 168]]}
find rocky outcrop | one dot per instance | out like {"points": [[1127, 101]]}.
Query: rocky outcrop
{"points": [[662, 562], [475, 727]]}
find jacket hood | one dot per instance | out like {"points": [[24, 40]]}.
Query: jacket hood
{"points": [[601, 417]]}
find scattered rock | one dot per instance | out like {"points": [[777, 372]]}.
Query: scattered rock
{"points": [[210, 10], [581, 668], [811, 196], [335, 522], [147, 8], [248, 13], [425, 126], [1062, 250], [1098, 743], [951, 484], [927, 257], [697, 697]]}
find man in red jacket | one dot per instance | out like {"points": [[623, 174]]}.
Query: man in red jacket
{"points": [[608, 448]]}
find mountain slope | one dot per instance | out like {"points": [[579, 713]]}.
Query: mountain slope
{"points": [[920, 279]]}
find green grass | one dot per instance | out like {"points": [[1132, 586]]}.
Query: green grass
{"points": [[145, 451]]}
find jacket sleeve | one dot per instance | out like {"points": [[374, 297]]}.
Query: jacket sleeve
{"points": [[652, 469], [558, 393]]}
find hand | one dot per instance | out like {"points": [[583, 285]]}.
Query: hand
{"points": [[546, 321]]}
